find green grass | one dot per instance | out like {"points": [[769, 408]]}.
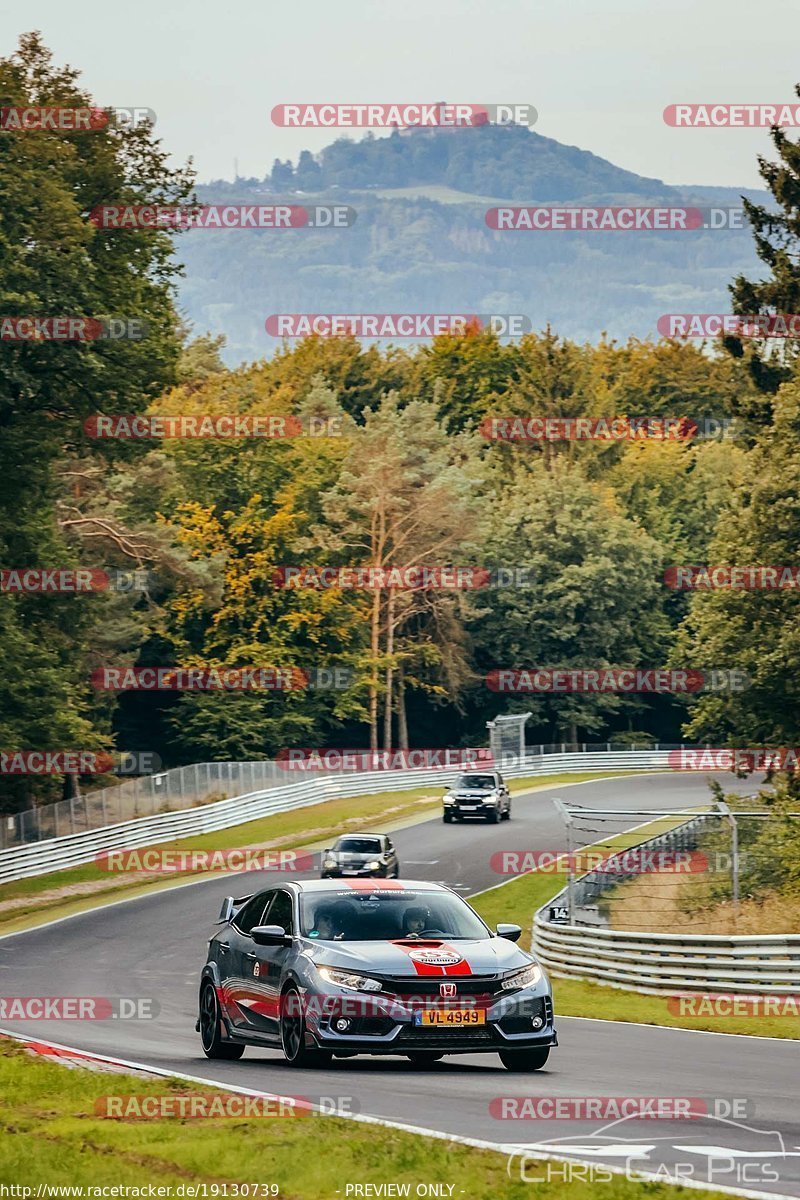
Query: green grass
{"points": [[303, 827], [518, 900], [52, 1135]]}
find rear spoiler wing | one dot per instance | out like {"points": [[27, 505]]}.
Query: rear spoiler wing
{"points": [[229, 906]]}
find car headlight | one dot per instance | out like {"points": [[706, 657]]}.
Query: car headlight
{"points": [[491, 799], [346, 979], [525, 977], [374, 865], [448, 799], [330, 862]]}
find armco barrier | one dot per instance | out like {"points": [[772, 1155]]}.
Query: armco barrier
{"points": [[76, 849], [763, 964]]}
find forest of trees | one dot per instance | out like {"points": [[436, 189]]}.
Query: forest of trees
{"points": [[407, 478]]}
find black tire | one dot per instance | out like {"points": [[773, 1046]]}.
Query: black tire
{"points": [[423, 1058], [524, 1060], [293, 1034], [493, 817], [214, 1045], [507, 814], [447, 817]]}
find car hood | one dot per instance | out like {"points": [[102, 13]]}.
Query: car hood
{"points": [[488, 956], [472, 793]]}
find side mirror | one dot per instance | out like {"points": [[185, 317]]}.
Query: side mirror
{"points": [[511, 933], [226, 912], [270, 935]]}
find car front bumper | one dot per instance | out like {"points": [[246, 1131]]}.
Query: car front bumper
{"points": [[386, 1025]]}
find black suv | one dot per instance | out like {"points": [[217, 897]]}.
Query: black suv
{"points": [[482, 794]]}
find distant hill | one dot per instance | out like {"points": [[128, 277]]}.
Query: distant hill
{"points": [[421, 243]]}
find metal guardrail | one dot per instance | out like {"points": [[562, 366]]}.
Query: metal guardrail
{"points": [[763, 964], [76, 849], [184, 787]]}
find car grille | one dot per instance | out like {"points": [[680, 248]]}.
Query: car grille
{"points": [[422, 1036], [428, 985]]}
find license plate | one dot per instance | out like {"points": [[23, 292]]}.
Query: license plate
{"points": [[450, 1016], [347, 871], [468, 807]]}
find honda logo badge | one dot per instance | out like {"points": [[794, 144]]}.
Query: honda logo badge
{"points": [[447, 989]]}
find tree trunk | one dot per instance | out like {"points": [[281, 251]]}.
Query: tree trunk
{"points": [[402, 719], [387, 710], [373, 688]]}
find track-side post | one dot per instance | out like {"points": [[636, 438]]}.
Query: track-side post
{"points": [[731, 819], [566, 817]]}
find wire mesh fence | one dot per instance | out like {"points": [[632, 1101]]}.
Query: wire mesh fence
{"points": [[203, 783]]}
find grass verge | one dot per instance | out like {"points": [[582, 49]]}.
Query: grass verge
{"points": [[52, 1136], [518, 900], [27, 902]]}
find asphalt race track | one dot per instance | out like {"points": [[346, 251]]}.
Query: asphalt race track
{"points": [[154, 947]]}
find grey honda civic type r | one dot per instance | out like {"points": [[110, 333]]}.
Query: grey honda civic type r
{"points": [[370, 966]]}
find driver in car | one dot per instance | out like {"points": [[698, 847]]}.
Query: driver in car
{"points": [[325, 925], [329, 922], [415, 921]]}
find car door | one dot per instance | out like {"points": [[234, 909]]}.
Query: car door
{"points": [[235, 970], [505, 795], [391, 857], [263, 966]]}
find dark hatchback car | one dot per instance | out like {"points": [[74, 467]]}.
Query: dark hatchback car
{"points": [[326, 967], [361, 854]]}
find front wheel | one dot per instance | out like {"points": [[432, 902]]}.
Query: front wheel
{"points": [[293, 1034], [214, 1045], [524, 1060], [447, 817], [493, 817]]}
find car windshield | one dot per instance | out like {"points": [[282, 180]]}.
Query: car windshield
{"points": [[375, 915], [476, 781], [356, 845]]}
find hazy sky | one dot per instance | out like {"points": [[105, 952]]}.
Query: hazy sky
{"points": [[600, 72]]}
